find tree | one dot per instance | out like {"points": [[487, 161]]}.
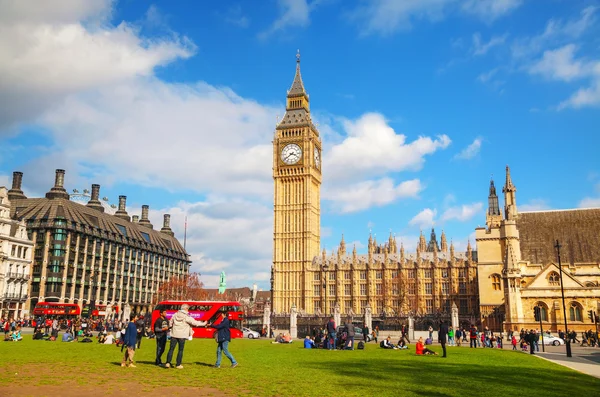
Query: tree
{"points": [[182, 288]]}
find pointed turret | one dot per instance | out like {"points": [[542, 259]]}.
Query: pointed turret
{"points": [[451, 249], [401, 251], [493, 206], [370, 246], [342, 246], [422, 246], [354, 252], [433, 246], [297, 110], [511, 260], [510, 201], [469, 251], [444, 243]]}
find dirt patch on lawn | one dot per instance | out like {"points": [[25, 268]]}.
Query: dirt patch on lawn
{"points": [[73, 389]]}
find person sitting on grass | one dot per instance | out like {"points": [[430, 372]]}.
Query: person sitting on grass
{"points": [[16, 335], [38, 334], [309, 343], [387, 344], [422, 350], [109, 340], [287, 338], [278, 339], [67, 337], [402, 344]]}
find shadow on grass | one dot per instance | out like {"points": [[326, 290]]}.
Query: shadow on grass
{"points": [[436, 376]]}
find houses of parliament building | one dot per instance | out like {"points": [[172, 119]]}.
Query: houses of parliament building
{"points": [[387, 278]]}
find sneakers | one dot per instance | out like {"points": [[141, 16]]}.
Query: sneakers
{"points": [[216, 366], [123, 365], [179, 367], [131, 365], [167, 365], [234, 365]]}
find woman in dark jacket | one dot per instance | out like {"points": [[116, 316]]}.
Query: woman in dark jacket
{"points": [[223, 339]]}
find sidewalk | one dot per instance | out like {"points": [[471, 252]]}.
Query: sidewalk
{"points": [[578, 363]]}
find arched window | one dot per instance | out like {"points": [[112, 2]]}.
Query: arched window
{"points": [[554, 279], [496, 282], [590, 284], [543, 310], [575, 311]]}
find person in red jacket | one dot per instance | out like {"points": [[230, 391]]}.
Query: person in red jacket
{"points": [[421, 349]]}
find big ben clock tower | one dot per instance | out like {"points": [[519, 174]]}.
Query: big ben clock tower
{"points": [[297, 201]]}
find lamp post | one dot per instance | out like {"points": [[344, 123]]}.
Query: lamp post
{"points": [[325, 267], [562, 292]]}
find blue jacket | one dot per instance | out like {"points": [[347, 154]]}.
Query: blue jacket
{"points": [[223, 329], [130, 338]]}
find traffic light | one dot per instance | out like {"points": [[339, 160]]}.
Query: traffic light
{"points": [[591, 316], [536, 313]]}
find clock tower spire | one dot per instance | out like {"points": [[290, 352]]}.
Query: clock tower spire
{"points": [[297, 207]]}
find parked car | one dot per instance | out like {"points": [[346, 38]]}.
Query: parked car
{"points": [[358, 333], [552, 340], [248, 333]]}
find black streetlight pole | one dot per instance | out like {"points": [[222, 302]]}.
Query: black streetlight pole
{"points": [[562, 292]]}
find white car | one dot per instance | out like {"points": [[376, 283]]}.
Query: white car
{"points": [[248, 333], [552, 340]]}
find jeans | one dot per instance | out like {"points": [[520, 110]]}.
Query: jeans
{"points": [[222, 347], [350, 343], [174, 342], [451, 340], [331, 344], [474, 342], [161, 343], [537, 346]]}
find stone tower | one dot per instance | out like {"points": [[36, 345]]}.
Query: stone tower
{"points": [[493, 216], [297, 201]]}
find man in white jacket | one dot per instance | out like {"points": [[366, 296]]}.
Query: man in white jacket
{"points": [[181, 329]]}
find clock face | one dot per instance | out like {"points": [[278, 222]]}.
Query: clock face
{"points": [[317, 158], [291, 154]]}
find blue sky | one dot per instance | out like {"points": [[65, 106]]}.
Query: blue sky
{"points": [[174, 104]]}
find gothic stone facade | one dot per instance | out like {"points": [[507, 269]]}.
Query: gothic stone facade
{"points": [[389, 280], [518, 265], [82, 253]]}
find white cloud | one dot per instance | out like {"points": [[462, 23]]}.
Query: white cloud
{"points": [[372, 147], [590, 202], [559, 64], [487, 76], [481, 48], [49, 53], [291, 13], [385, 17], [489, 10], [470, 151], [424, 219], [534, 205], [462, 213], [235, 16], [583, 97], [366, 194]]}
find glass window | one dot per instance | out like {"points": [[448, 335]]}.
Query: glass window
{"points": [[554, 279], [347, 275], [496, 283], [444, 273], [429, 305], [378, 289], [428, 288], [378, 274], [348, 289], [445, 288], [427, 273], [145, 236], [363, 275], [363, 289]]}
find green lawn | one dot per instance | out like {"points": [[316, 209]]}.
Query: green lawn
{"points": [[289, 370]]}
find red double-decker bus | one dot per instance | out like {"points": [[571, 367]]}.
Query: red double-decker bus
{"points": [[100, 311], [205, 311], [56, 309]]}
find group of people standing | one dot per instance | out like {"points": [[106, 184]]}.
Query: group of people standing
{"points": [[179, 328]]}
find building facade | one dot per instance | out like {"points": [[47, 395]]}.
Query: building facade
{"points": [[15, 262], [82, 254], [387, 279], [518, 265]]}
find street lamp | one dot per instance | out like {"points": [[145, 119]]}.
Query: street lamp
{"points": [[562, 292], [325, 267]]}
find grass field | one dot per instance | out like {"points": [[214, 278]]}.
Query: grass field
{"points": [[43, 368]]}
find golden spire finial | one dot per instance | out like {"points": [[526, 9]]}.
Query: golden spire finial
{"points": [[298, 56]]}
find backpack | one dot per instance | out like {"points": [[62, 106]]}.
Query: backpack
{"points": [[428, 341], [361, 345]]}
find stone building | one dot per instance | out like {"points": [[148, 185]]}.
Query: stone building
{"points": [[518, 264], [387, 279], [83, 254], [15, 262]]}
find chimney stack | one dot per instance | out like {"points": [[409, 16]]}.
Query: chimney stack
{"points": [[167, 225], [95, 200], [135, 218], [121, 213], [144, 221], [16, 193], [58, 190]]}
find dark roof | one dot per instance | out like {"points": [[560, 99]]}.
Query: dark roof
{"points": [[39, 209], [578, 232]]}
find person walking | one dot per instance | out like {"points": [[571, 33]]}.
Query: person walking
{"points": [[331, 336], [140, 326], [443, 335], [430, 332], [473, 336], [365, 332], [161, 326], [223, 339], [181, 329], [129, 341], [349, 335]]}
